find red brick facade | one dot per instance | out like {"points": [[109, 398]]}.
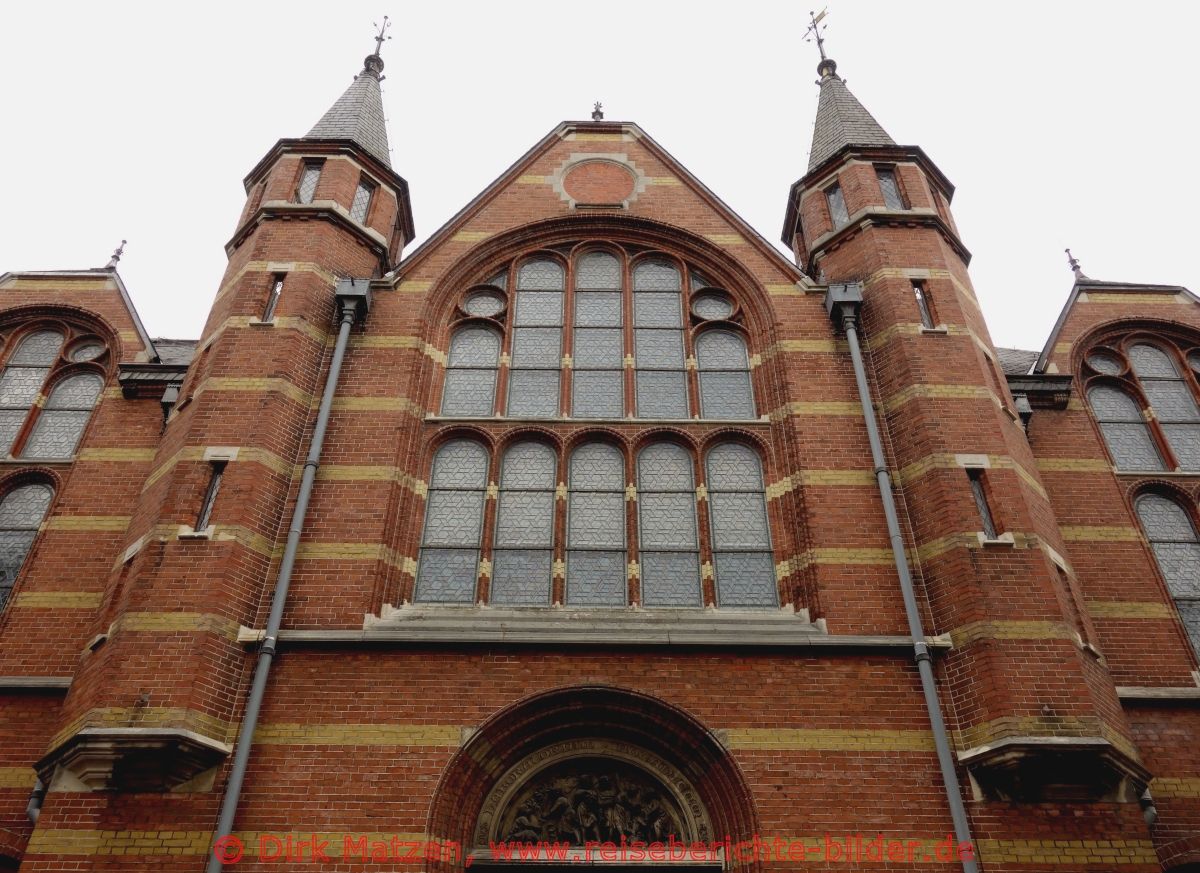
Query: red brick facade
{"points": [[1065, 675]]}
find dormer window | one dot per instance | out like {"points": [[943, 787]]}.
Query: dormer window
{"points": [[837, 207]]}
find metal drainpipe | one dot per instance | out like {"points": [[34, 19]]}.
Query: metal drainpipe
{"points": [[843, 302], [34, 808], [353, 301]]}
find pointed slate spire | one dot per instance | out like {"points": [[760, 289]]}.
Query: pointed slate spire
{"points": [[841, 119], [358, 113]]}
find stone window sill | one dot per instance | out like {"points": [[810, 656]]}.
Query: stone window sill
{"points": [[188, 533], [936, 329], [1004, 539]]}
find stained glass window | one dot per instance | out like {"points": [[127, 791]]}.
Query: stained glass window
{"points": [[471, 372], [484, 303], [1176, 547], [449, 559], [658, 341], [58, 428], [21, 512], [1171, 399], [533, 381], [522, 559], [23, 379], [711, 305], [725, 390], [743, 564], [1125, 429], [1103, 363], [669, 559], [596, 556]]}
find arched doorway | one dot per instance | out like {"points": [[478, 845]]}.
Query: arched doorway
{"points": [[604, 775]]}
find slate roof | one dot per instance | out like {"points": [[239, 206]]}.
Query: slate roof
{"points": [[175, 351], [841, 120], [1016, 362], [358, 115]]}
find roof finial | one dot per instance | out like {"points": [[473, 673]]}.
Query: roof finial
{"points": [[374, 63], [116, 256], [1074, 262], [827, 67], [598, 111]]}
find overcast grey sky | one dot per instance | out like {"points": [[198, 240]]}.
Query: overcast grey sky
{"points": [[1060, 123]]}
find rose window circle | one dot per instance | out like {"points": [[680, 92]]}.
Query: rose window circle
{"points": [[483, 303], [711, 306]]}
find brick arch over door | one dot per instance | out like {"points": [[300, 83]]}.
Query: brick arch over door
{"points": [[588, 713]]}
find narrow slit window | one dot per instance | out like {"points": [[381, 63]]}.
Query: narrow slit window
{"points": [[975, 476], [363, 196], [889, 185], [924, 307], [306, 189], [273, 297], [837, 207], [210, 495]]}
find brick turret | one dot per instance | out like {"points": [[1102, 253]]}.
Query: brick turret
{"points": [[154, 710]]}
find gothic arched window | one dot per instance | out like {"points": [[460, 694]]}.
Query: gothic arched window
{"points": [[449, 559], [1176, 545], [21, 512], [1172, 401], [523, 558], [533, 386], [658, 345], [669, 550], [724, 366], [1146, 404], [741, 538], [54, 363], [598, 389], [1125, 430], [471, 372], [596, 555]]}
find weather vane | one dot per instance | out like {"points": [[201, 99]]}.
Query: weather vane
{"points": [[381, 36], [598, 111], [116, 255], [814, 31]]}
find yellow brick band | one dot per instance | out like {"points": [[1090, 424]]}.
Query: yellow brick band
{"points": [[1129, 609], [254, 385], [970, 540], [414, 286], [976, 631], [377, 404], [829, 739], [944, 461], [819, 478], [803, 560], [283, 322], [530, 179], [67, 841], [147, 716], [783, 290], [359, 735], [816, 407], [17, 777], [95, 523], [667, 181], [936, 392], [1100, 534], [1110, 853], [275, 267], [56, 600], [1164, 298], [116, 454], [471, 235], [726, 239], [812, 346], [1039, 726], [175, 622], [598, 137], [52, 283], [1073, 465], [900, 273], [1175, 786]]}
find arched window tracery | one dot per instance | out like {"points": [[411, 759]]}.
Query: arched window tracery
{"points": [[1176, 545], [22, 510]]}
